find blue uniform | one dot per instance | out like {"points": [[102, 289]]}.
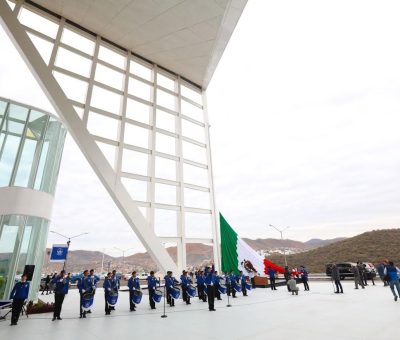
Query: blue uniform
{"points": [[19, 294], [92, 281], [133, 283], [61, 285], [115, 284], [84, 285], [20, 291], [271, 273], [152, 285]]}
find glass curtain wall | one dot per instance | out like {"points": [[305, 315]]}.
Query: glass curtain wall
{"points": [[31, 145]]}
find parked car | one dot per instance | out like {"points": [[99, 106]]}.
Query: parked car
{"points": [[344, 269]]}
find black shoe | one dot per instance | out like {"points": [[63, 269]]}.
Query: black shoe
{"points": [[80, 316], [153, 307], [219, 299], [53, 319], [58, 318], [213, 310], [108, 313], [336, 292], [84, 316], [89, 312], [395, 298], [13, 324]]}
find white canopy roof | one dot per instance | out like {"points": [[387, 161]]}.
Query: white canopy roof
{"points": [[187, 37]]}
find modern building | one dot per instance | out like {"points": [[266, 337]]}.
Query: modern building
{"points": [[128, 79], [31, 145]]}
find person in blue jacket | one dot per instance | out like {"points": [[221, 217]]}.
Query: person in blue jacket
{"points": [[61, 286], [233, 278], [210, 282], [19, 294], [170, 281], [200, 285], [272, 274], [304, 277], [228, 283], [392, 273], [185, 282], [107, 289], [217, 282], [152, 285], [243, 280], [83, 286], [93, 283], [133, 284]]}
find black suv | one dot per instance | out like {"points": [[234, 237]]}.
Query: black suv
{"points": [[344, 269]]}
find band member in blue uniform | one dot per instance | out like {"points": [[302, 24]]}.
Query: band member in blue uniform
{"points": [[107, 290], [19, 294], [217, 282], [152, 285], [83, 286], [210, 281], [133, 284], [272, 274], [243, 280], [228, 283], [170, 281], [115, 284], [61, 284], [93, 283], [185, 281], [200, 279], [233, 279]]}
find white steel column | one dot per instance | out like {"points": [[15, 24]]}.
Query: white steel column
{"points": [[180, 197], [214, 215], [85, 141]]}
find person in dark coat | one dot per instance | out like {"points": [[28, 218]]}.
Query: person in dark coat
{"points": [[61, 286], [381, 272], [336, 279], [357, 277], [19, 294], [287, 276], [304, 277], [272, 274]]}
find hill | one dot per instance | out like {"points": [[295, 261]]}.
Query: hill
{"points": [[373, 246]]}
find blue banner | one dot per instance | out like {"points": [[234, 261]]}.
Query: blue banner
{"points": [[59, 253]]}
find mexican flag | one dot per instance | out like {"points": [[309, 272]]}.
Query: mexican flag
{"points": [[237, 255]]}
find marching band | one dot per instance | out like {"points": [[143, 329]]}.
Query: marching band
{"points": [[210, 286]]}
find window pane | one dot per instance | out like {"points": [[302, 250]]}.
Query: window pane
{"points": [[109, 152], [166, 82], [136, 189], [11, 144], [165, 194], [165, 121], [165, 144], [198, 225], [195, 175], [25, 163], [140, 70], [196, 199], [194, 152], [111, 57], [77, 41], [165, 168], [73, 62], [193, 131], [73, 88], [191, 94], [109, 77], [136, 135], [38, 23], [166, 100], [23, 253], [192, 111], [135, 162], [165, 222], [103, 126], [44, 47], [106, 100], [140, 89], [138, 111]]}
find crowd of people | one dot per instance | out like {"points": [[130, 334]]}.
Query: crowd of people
{"points": [[209, 286]]}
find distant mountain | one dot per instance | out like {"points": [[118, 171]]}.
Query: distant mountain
{"points": [[317, 242], [373, 246], [197, 255]]}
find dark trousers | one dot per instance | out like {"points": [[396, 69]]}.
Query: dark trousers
{"points": [[185, 295], [16, 310], [306, 286], [200, 291], [244, 290], [232, 289], [151, 301], [81, 311], [217, 293], [211, 295], [338, 285], [131, 304], [253, 283], [228, 289], [273, 286], [58, 301], [107, 307], [288, 288]]}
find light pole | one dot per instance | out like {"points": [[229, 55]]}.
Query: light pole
{"points": [[281, 232], [68, 242], [123, 253]]}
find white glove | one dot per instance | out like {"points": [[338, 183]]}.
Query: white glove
{"points": [[83, 290], [212, 284]]}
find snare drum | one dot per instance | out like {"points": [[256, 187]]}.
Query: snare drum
{"points": [[87, 300], [175, 292], [222, 289], [157, 295], [238, 288], [112, 298], [137, 297], [191, 290]]}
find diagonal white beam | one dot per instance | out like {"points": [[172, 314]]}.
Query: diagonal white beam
{"points": [[85, 141]]}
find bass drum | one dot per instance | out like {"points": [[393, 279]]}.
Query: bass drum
{"points": [[191, 290], [137, 297], [175, 292], [238, 288], [87, 300], [222, 289], [112, 298], [157, 296]]}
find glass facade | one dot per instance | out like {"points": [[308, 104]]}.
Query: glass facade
{"points": [[31, 144]]}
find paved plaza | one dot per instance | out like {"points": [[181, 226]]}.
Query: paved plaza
{"points": [[317, 314]]}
